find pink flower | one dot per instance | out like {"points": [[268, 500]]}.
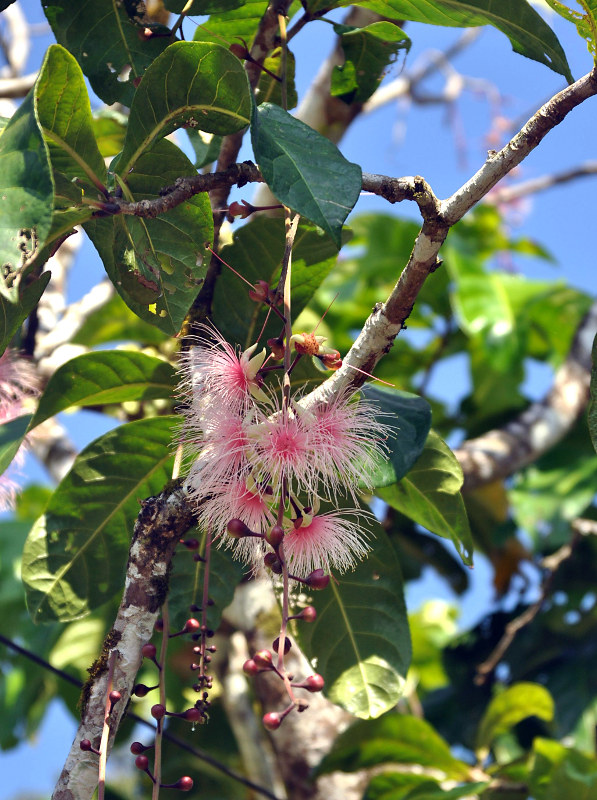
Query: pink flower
{"points": [[326, 541], [237, 500], [220, 444], [349, 439], [17, 383], [283, 450], [214, 367]]}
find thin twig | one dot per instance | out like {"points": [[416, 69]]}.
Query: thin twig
{"points": [[551, 564]]}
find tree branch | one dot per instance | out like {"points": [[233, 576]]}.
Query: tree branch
{"points": [[386, 320], [161, 522], [501, 452], [535, 185]]}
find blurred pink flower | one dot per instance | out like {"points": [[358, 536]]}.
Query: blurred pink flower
{"points": [[17, 384]]}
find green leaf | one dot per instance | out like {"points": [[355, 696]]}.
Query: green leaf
{"points": [[199, 84], [206, 147], [586, 24], [109, 129], [304, 170], [105, 41], [396, 738], [392, 785], [26, 195], [559, 485], [361, 638], [593, 401], [269, 90], [430, 495], [408, 417], [367, 51], [12, 434], [256, 252], [559, 772], [233, 26], [186, 581], [510, 707], [106, 377], [431, 791], [528, 33], [64, 114], [75, 556], [156, 264]]}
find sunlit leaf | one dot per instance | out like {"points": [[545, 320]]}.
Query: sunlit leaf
{"points": [[199, 84], [397, 738], [510, 707]]}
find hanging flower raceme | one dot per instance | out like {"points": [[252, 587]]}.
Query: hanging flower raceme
{"points": [[251, 455]]}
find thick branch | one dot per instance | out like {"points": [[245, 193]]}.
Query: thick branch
{"points": [[387, 319], [163, 519], [502, 452]]}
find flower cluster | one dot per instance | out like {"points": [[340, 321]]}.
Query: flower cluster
{"points": [[250, 452]]}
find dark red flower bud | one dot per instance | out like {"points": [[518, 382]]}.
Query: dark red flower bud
{"points": [[237, 529], [272, 720], [317, 579], [314, 683], [142, 762], [275, 536], [263, 659], [250, 668]]}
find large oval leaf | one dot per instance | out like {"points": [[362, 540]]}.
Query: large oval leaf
{"points": [[305, 170], [64, 114], [26, 193], [361, 638], [408, 418], [105, 40], [430, 495], [106, 377], [75, 555], [198, 84], [156, 265]]}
